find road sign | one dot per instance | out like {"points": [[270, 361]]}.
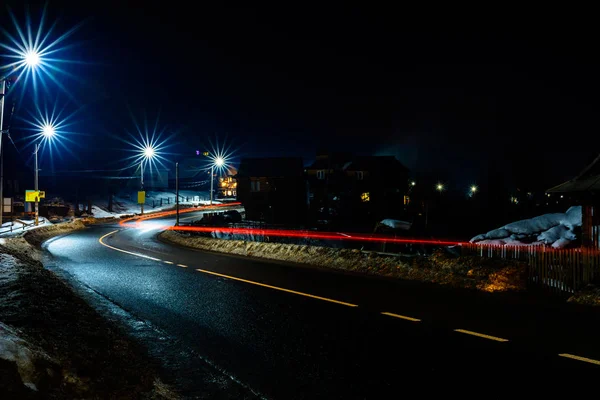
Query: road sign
{"points": [[31, 196], [7, 205], [141, 197]]}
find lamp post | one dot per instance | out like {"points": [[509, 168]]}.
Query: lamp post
{"points": [[177, 194], [2, 93], [148, 153], [48, 133], [218, 162]]}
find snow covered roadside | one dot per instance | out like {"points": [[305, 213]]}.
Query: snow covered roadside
{"points": [[54, 345], [441, 268], [17, 227]]}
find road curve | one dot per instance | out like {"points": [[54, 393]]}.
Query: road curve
{"points": [[288, 332]]}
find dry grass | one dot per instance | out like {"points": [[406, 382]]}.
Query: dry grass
{"points": [[590, 296], [441, 268]]}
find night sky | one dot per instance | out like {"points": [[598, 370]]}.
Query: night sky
{"points": [[476, 97]]}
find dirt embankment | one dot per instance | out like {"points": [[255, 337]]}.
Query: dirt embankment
{"points": [[441, 268], [53, 344]]}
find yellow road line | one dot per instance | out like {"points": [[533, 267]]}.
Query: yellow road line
{"points": [[578, 358], [182, 266], [278, 288], [498, 339], [401, 316], [168, 262], [124, 251]]}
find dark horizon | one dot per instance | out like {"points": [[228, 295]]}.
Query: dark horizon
{"points": [[462, 103]]}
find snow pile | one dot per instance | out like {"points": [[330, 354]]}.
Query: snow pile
{"points": [[396, 224], [557, 230]]}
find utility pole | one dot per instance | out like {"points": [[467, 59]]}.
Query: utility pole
{"points": [[37, 149], [142, 185], [211, 183], [2, 93], [177, 193]]}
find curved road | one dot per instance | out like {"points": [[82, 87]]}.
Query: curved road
{"points": [[289, 332]]}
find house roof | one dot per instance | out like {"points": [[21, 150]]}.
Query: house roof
{"points": [[271, 167], [588, 180], [345, 162], [374, 163]]}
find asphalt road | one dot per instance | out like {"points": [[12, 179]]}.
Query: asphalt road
{"points": [[290, 332]]}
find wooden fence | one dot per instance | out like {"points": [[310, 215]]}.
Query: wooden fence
{"points": [[561, 271]]}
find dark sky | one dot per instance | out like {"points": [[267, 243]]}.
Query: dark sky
{"points": [[463, 95]]}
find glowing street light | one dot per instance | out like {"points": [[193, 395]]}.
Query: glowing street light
{"points": [[413, 183], [439, 187], [32, 58], [48, 131], [148, 153], [219, 161], [473, 189]]}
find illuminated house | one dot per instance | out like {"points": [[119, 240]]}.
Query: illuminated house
{"points": [[348, 188], [227, 187]]}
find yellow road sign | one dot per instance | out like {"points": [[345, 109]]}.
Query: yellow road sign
{"points": [[141, 197], [42, 194], [31, 196]]}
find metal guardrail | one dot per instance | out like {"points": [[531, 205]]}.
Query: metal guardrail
{"points": [[24, 224]]}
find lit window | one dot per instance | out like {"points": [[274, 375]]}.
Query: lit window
{"points": [[365, 197], [321, 174], [360, 175], [229, 193]]}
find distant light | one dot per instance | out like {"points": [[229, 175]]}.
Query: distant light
{"points": [[48, 131], [473, 189], [219, 161], [197, 152], [148, 152], [561, 196], [439, 187], [413, 183], [32, 58]]}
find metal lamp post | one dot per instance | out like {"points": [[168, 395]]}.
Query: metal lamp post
{"points": [[48, 133], [148, 153], [218, 162]]}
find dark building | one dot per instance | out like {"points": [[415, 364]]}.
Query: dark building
{"points": [[272, 190], [356, 190], [585, 190]]}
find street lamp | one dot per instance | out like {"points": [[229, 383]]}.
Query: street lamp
{"points": [[147, 153], [48, 132], [439, 187], [473, 189], [32, 58], [218, 162]]}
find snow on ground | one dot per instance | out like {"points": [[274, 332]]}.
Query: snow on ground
{"points": [[126, 203], [17, 227], [555, 229]]}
